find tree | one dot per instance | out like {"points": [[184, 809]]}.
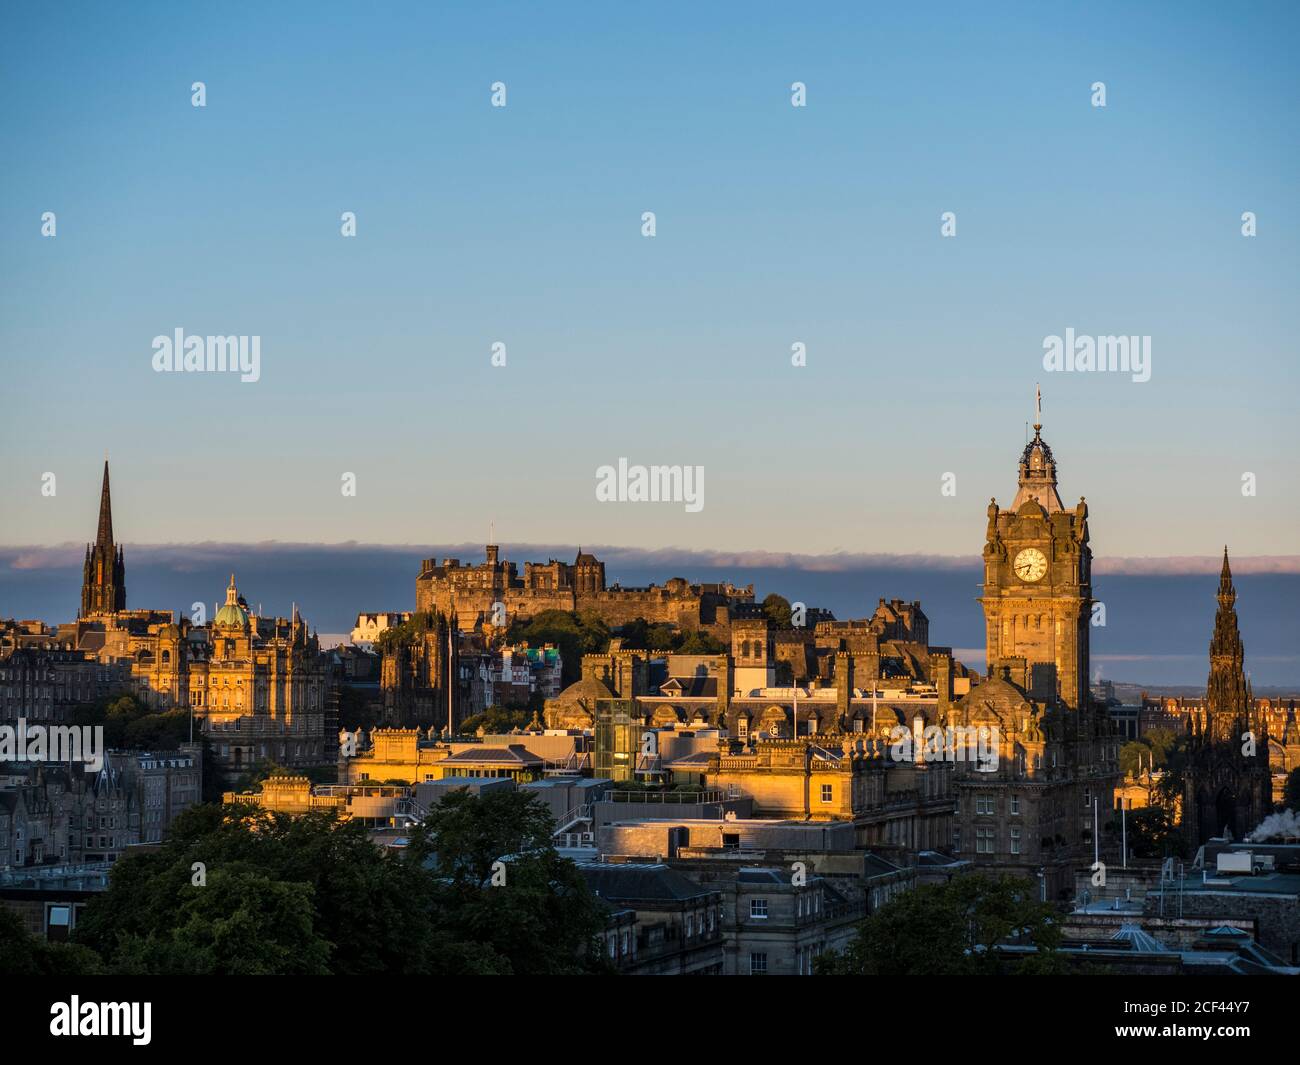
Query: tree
{"points": [[129, 724], [496, 720], [700, 642], [1153, 833], [1131, 756], [1291, 794], [777, 608], [952, 929], [239, 889], [501, 885], [264, 871], [575, 634], [22, 954]]}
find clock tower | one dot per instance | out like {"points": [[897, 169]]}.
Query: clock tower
{"points": [[1037, 591]]}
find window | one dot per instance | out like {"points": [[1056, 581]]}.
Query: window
{"points": [[1015, 839], [983, 841], [983, 804], [58, 922], [742, 726], [1015, 804], [758, 910], [828, 793], [758, 965]]}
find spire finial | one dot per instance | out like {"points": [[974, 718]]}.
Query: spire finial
{"points": [[1038, 408], [104, 535]]}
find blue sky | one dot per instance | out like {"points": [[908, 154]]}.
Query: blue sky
{"points": [[522, 225]]}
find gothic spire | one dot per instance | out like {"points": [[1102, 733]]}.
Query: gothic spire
{"points": [[103, 584], [1227, 698], [104, 537], [1227, 593]]}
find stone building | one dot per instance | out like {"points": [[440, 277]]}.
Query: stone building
{"points": [[420, 674], [1228, 785], [259, 687], [474, 592], [44, 675], [678, 927], [54, 814], [1029, 812]]}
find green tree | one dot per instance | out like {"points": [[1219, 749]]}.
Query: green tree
{"points": [[952, 929], [495, 720], [777, 608], [700, 642], [23, 954], [575, 634], [241, 923], [313, 894], [501, 885], [370, 908], [128, 723], [1153, 833], [1291, 794]]}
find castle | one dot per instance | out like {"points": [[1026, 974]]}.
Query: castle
{"points": [[493, 591], [816, 748]]}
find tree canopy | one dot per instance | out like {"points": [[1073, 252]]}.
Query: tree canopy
{"points": [[238, 889], [951, 929]]}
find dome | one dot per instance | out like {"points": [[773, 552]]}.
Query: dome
{"points": [[232, 615], [575, 707], [587, 690], [998, 699]]}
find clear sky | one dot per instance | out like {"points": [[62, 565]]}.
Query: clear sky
{"points": [[522, 224]]}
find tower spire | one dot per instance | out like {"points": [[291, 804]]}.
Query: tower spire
{"points": [[103, 583], [104, 537]]}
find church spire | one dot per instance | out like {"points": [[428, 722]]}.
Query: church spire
{"points": [[104, 537], [103, 584]]}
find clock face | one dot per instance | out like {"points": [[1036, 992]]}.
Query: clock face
{"points": [[1030, 564]]}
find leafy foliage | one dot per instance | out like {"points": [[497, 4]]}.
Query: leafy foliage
{"points": [[574, 633], [23, 954], [1291, 796], [129, 724], [643, 635], [312, 894], [951, 929], [495, 720], [778, 610]]}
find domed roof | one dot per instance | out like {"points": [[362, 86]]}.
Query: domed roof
{"points": [[232, 615], [587, 690], [998, 698]]}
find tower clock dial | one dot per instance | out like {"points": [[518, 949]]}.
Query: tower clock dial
{"points": [[1030, 564]]}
